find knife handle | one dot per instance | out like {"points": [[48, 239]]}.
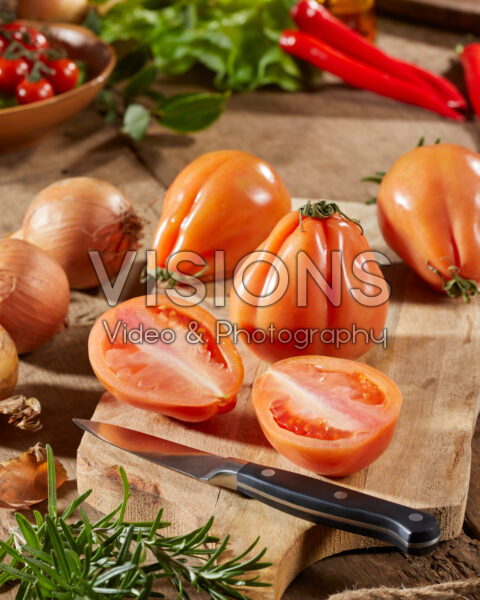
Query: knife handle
{"points": [[326, 503]]}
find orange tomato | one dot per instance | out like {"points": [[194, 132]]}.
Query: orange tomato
{"points": [[328, 415], [226, 200], [318, 321], [165, 359], [429, 210]]}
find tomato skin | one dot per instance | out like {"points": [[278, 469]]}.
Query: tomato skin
{"points": [[317, 238], [3, 44], [337, 457], [12, 72], [65, 76], [226, 200], [168, 400], [28, 92], [428, 210], [29, 37]]}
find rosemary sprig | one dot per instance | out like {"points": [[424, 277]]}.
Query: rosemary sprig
{"points": [[114, 559]]}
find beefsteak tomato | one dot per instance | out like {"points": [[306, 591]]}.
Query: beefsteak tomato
{"points": [[429, 213], [283, 313], [329, 415], [226, 200], [166, 359]]}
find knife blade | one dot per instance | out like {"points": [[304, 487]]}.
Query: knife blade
{"points": [[315, 500]]}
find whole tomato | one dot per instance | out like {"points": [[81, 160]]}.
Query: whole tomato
{"points": [[226, 200], [28, 92], [64, 76], [313, 288], [429, 211], [12, 71], [29, 37]]}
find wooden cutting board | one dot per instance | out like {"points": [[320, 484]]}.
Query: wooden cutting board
{"points": [[461, 15], [432, 345]]}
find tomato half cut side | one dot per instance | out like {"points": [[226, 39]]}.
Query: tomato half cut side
{"points": [[329, 415], [166, 359]]}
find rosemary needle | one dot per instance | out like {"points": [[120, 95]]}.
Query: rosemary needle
{"points": [[57, 559]]}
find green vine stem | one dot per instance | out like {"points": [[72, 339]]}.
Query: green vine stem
{"points": [[324, 210], [457, 285]]}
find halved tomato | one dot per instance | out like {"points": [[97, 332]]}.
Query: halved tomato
{"points": [[166, 359], [329, 415]]}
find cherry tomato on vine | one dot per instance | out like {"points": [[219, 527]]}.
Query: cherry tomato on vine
{"points": [[191, 379], [3, 44], [65, 75], [329, 415], [28, 92], [11, 73], [29, 37]]}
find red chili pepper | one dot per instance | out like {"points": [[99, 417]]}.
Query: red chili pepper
{"points": [[311, 49], [313, 18], [471, 65]]}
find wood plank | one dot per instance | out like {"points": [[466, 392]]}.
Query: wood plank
{"points": [[426, 467], [461, 15]]}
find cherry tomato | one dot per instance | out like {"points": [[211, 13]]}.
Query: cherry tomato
{"points": [[28, 92], [3, 44], [29, 37], [11, 73], [328, 415], [191, 378], [287, 313], [226, 200], [428, 211], [65, 76]]}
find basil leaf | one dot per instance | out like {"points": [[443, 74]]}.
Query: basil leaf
{"points": [[141, 82], [187, 113], [130, 64], [135, 121]]}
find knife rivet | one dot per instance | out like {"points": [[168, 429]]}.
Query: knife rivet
{"points": [[415, 517], [340, 495], [268, 472]]}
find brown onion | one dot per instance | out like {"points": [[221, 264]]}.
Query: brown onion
{"points": [[65, 11], [73, 216], [34, 294], [24, 480], [8, 365]]}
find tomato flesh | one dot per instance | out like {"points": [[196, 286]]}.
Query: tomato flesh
{"points": [[184, 374], [331, 416]]}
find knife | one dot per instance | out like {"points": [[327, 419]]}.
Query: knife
{"points": [[314, 500]]}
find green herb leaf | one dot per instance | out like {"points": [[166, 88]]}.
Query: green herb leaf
{"points": [[135, 121], [141, 82], [112, 559], [187, 113], [92, 21]]}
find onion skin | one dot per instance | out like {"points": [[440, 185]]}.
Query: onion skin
{"points": [[73, 216], [8, 365], [62, 11], [34, 294]]}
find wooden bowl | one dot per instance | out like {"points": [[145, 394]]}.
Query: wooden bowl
{"points": [[24, 125]]}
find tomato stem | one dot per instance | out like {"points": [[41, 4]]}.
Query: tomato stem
{"points": [[457, 285], [324, 210], [163, 275]]}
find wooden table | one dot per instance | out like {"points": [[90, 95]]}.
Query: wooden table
{"points": [[321, 143]]}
